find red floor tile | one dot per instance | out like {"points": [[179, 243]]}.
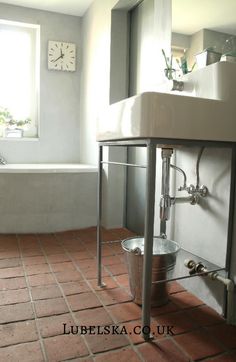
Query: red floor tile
{"points": [[111, 260], [105, 342], [180, 322], [25, 238], [134, 330], [125, 312], [90, 264], [70, 269], [68, 276], [58, 267], [205, 316], [32, 252], [123, 355], [70, 288], [228, 357], [65, 347], [14, 296], [34, 260], [92, 274], [45, 292], [65, 235], [41, 279], [9, 263], [185, 300], [15, 333], [117, 248], [23, 352], [50, 307], [12, 283], [73, 245], [166, 308], [123, 233], [93, 317], [11, 272], [16, 312], [80, 255], [122, 280], [58, 258], [83, 301], [106, 249], [226, 334], [198, 344], [108, 281], [53, 250], [54, 325], [37, 269], [113, 296], [46, 237], [118, 269], [163, 350]]}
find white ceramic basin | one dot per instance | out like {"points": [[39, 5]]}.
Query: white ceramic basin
{"points": [[173, 115]]}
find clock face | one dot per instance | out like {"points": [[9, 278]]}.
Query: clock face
{"points": [[61, 56]]}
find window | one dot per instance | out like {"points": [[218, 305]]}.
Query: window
{"points": [[19, 79]]}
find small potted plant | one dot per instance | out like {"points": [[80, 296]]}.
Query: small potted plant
{"points": [[12, 127]]}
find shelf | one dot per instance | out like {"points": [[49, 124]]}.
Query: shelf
{"points": [[182, 272]]}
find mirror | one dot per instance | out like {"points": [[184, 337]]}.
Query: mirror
{"points": [[200, 25]]}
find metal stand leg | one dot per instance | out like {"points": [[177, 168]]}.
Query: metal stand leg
{"points": [[148, 238], [99, 218]]}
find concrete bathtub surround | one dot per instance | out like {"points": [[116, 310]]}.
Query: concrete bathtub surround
{"points": [[47, 197]]}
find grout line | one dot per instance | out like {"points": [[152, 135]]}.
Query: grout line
{"points": [[96, 292], [32, 303], [103, 305], [63, 294]]}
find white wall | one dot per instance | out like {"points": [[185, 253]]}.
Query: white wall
{"points": [[95, 71], [98, 89], [59, 93]]}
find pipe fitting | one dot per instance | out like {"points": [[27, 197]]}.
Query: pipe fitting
{"points": [[199, 268]]}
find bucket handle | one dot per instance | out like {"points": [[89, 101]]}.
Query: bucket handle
{"points": [[136, 251]]}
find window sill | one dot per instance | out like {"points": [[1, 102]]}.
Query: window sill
{"points": [[47, 168], [20, 139]]}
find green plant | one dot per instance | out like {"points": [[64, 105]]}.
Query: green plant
{"points": [[7, 119], [169, 70]]}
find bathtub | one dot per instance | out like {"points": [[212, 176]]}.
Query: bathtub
{"points": [[47, 197]]}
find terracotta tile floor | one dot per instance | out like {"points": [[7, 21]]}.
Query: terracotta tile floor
{"points": [[48, 286]]}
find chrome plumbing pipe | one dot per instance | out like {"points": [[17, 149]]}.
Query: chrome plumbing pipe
{"points": [[199, 268], [165, 201], [193, 200]]}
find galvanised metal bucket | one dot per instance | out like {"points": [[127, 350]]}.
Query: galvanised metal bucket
{"points": [[163, 262]]}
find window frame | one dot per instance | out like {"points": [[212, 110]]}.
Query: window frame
{"points": [[35, 103]]}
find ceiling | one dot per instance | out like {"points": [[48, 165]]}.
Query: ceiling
{"points": [[189, 16], [70, 7]]}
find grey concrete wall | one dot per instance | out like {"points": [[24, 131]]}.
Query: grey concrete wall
{"points": [[59, 93], [47, 202], [201, 229]]}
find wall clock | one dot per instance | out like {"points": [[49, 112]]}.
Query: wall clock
{"points": [[61, 56]]}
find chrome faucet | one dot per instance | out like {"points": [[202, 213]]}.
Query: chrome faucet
{"points": [[2, 161]]}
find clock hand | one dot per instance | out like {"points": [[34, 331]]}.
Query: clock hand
{"points": [[61, 56]]}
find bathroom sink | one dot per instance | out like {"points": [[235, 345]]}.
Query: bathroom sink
{"points": [[168, 116]]}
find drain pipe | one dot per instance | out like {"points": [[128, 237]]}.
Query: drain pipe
{"points": [[165, 201], [199, 268]]}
